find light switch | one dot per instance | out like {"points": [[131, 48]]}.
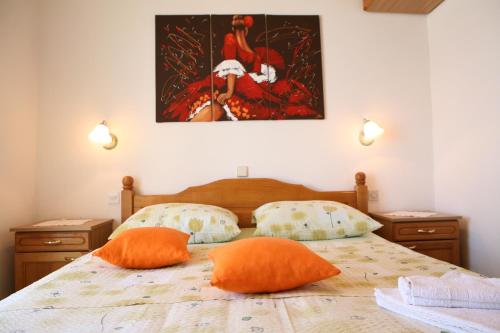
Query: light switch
{"points": [[372, 195], [242, 171], [113, 198]]}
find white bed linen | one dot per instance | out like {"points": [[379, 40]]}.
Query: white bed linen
{"points": [[460, 320], [452, 290]]}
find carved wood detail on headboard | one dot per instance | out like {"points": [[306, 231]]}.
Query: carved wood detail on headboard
{"points": [[242, 196]]}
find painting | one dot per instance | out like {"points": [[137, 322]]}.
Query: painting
{"points": [[238, 67]]}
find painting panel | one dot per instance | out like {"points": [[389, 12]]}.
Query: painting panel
{"points": [[294, 47], [240, 76], [183, 66]]}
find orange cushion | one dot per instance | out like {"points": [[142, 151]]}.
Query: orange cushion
{"points": [[149, 247], [267, 264]]}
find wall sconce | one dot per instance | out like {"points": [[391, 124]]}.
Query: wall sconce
{"points": [[101, 135], [369, 132]]}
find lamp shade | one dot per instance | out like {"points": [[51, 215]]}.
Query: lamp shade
{"points": [[369, 132], [100, 134], [372, 130]]}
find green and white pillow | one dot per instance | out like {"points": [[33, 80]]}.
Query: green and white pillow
{"points": [[205, 223], [311, 220]]}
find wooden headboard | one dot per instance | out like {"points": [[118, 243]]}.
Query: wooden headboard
{"points": [[243, 195]]}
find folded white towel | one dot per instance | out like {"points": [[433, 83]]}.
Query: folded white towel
{"points": [[450, 319], [452, 290]]}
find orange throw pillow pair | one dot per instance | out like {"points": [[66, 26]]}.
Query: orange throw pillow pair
{"points": [[143, 248], [267, 264], [253, 265]]}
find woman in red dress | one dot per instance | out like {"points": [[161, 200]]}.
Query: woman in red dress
{"points": [[245, 86]]}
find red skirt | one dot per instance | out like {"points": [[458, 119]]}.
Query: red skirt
{"points": [[284, 99]]}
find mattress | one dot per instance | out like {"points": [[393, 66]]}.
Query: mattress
{"points": [[90, 295]]}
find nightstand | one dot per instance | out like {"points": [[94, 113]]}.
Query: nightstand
{"points": [[436, 236], [42, 250]]}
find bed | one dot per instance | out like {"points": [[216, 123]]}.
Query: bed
{"points": [[90, 295]]}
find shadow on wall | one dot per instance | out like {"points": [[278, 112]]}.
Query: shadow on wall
{"points": [[7, 270], [464, 243]]}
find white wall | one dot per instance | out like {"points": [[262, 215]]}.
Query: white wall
{"points": [[97, 62], [18, 122], [465, 81]]}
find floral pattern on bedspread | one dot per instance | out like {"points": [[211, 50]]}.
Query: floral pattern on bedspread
{"points": [[91, 287], [304, 314]]}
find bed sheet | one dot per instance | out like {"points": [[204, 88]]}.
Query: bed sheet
{"points": [[90, 295]]}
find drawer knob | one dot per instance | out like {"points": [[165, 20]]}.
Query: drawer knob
{"points": [[424, 231], [53, 242], [412, 247], [69, 258]]}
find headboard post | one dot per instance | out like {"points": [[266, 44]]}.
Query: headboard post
{"points": [[127, 197], [361, 192]]}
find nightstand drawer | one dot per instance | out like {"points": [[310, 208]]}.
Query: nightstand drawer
{"points": [[426, 230], [52, 241], [446, 250], [31, 267]]}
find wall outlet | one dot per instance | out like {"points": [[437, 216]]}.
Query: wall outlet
{"points": [[242, 171], [372, 195], [113, 198]]}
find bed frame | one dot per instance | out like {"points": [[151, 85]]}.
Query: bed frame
{"points": [[243, 195]]}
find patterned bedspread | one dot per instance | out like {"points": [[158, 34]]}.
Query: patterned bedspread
{"points": [[90, 295]]}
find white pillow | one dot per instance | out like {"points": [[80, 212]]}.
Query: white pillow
{"points": [[311, 220], [205, 223]]}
